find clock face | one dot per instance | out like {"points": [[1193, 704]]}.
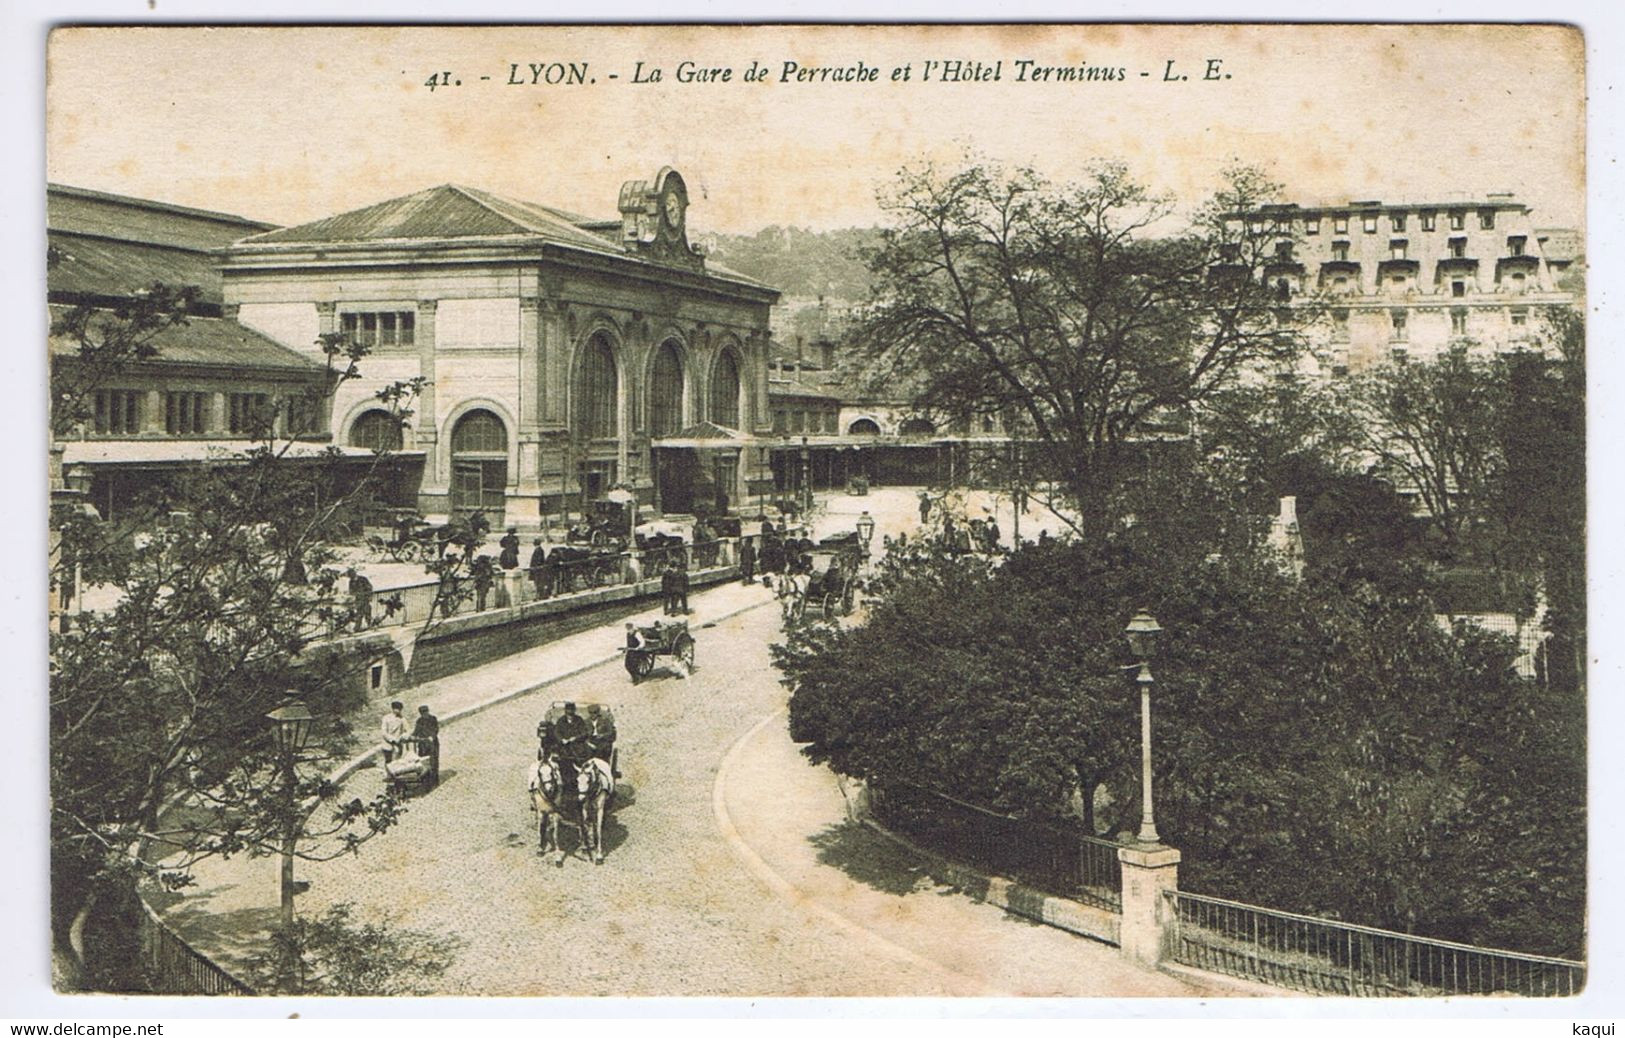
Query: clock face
{"points": [[674, 208]]}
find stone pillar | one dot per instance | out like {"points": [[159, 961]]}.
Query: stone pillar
{"points": [[1148, 870], [524, 505], [433, 495]]}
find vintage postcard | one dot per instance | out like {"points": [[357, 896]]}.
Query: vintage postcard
{"points": [[949, 510]]}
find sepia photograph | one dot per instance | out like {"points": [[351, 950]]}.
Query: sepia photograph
{"points": [[764, 511]]}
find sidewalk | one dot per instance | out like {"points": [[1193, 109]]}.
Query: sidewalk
{"points": [[787, 822]]}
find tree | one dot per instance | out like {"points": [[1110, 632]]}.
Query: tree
{"points": [[105, 341], [1063, 309], [1431, 427], [1322, 746], [333, 954], [222, 584]]}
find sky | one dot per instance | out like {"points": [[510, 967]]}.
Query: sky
{"points": [[291, 124]]}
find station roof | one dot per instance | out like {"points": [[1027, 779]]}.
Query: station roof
{"points": [[213, 341]]}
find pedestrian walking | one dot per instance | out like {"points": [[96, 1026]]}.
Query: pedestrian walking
{"points": [[993, 535], [360, 598], [509, 558], [426, 733], [925, 507], [538, 567], [747, 560], [668, 589], [394, 729]]}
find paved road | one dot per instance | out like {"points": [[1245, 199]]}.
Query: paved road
{"points": [[672, 911]]}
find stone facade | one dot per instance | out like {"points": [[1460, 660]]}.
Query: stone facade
{"points": [[1409, 281], [541, 329]]}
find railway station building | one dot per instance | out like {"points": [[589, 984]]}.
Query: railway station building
{"points": [[561, 356]]}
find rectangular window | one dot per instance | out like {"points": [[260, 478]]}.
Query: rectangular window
{"points": [[1312, 225], [1515, 245], [1340, 326], [117, 412], [1398, 221], [1283, 251], [1458, 248], [1400, 326], [303, 417], [1430, 219], [780, 423], [1458, 322], [832, 421], [1520, 319], [1458, 219], [1340, 284], [383, 329], [798, 421], [186, 414], [1340, 224], [1486, 219], [1397, 248], [1368, 223], [247, 412], [1340, 251], [1458, 288]]}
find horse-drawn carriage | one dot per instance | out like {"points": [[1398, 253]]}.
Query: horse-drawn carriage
{"points": [[608, 523], [573, 779], [825, 579], [575, 567], [661, 638], [409, 537]]}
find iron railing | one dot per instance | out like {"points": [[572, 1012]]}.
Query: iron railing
{"points": [[1052, 856], [175, 967], [1324, 956]]}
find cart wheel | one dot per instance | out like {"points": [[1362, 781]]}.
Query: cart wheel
{"points": [[685, 651], [411, 551], [641, 663]]}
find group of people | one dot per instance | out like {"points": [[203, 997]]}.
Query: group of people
{"points": [[411, 754], [779, 553], [573, 739]]}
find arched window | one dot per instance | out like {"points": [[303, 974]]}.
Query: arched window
{"points": [[917, 427], [666, 393], [597, 392], [376, 431], [725, 392], [479, 463], [863, 427]]}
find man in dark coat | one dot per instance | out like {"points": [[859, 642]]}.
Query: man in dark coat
{"points": [[426, 732], [538, 568], [668, 589], [747, 560], [680, 587], [484, 575], [509, 558], [360, 598]]}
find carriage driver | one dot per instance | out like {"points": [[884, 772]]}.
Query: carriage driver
{"points": [[570, 733], [601, 734]]}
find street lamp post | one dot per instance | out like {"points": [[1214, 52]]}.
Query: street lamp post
{"points": [[866, 532], [806, 477], [1141, 633], [290, 727]]}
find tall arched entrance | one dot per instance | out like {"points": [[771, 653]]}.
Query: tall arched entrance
{"points": [[479, 464], [666, 392], [595, 418], [725, 410]]}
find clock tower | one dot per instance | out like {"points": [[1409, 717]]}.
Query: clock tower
{"points": [[654, 220]]}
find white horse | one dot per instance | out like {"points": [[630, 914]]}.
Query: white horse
{"points": [[791, 590], [595, 785], [546, 784]]}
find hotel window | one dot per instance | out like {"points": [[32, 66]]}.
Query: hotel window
{"points": [[1340, 326], [1340, 285], [390, 329], [832, 421], [117, 411], [798, 421], [1458, 219], [1430, 220], [246, 412], [1486, 219], [1340, 224], [1458, 322], [1340, 251], [1458, 288], [1519, 283], [1398, 317], [1520, 321], [1368, 223], [1283, 251], [1311, 225], [780, 422], [1396, 249], [1458, 248], [186, 413], [1398, 221], [1515, 245]]}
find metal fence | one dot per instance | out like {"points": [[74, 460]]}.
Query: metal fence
{"points": [[1055, 857], [176, 968], [1323, 956]]}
